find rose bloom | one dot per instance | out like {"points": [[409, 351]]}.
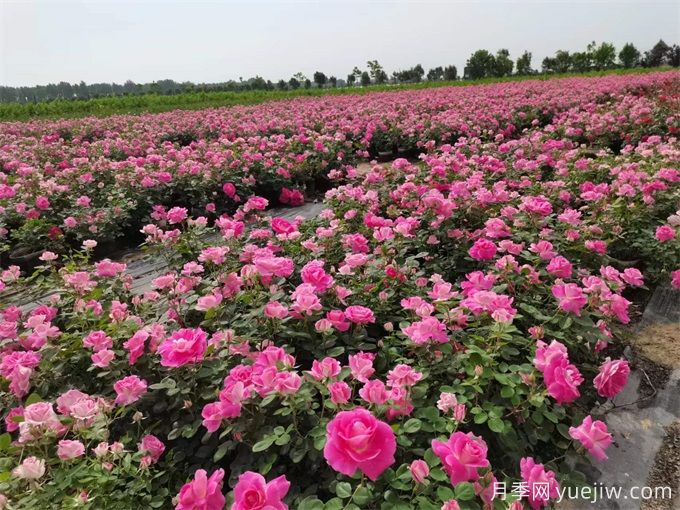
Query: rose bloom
{"points": [[612, 378], [252, 492], [153, 446], [327, 368], [176, 215], [356, 440], [594, 437], [67, 449], [535, 474], [361, 366], [419, 470], [183, 347], [340, 392], [202, 493], [452, 504], [462, 455], [665, 233], [570, 296], [483, 249], [675, 278], [129, 389], [31, 468], [359, 314]]}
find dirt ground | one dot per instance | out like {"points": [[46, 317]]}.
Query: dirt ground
{"points": [[666, 470], [660, 343]]}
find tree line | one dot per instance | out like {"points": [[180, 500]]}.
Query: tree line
{"points": [[481, 64]]}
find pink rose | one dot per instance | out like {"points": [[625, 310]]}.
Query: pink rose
{"points": [[177, 215], [594, 437], [561, 377], [153, 446], [361, 366], [31, 468], [356, 440], [129, 389], [359, 314], [419, 470], [570, 297], [675, 278], [665, 233], [560, 267], [482, 249], [313, 273], [67, 449], [282, 226], [430, 328], [340, 392], [252, 492], [612, 378], [535, 474], [202, 493], [275, 310], [10, 424], [327, 368], [229, 189], [374, 392], [451, 504], [462, 455], [183, 347], [102, 358]]}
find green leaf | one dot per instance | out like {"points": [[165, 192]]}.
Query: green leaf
{"points": [[263, 444], [465, 491], [221, 451], [333, 504], [412, 425], [362, 496], [32, 399], [5, 441], [445, 493], [311, 503], [496, 425], [481, 417], [336, 351], [507, 392], [343, 490]]}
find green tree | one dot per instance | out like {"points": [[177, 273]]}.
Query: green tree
{"points": [[333, 81], [674, 56], [377, 72], [629, 56], [560, 63], [480, 65], [581, 61], [523, 64], [435, 74], [450, 73], [365, 79], [658, 55], [294, 83], [502, 65], [351, 78], [320, 79], [604, 56]]}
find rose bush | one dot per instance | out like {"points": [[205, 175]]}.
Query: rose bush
{"points": [[442, 325]]}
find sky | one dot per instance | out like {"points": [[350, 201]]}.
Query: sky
{"points": [[212, 41]]}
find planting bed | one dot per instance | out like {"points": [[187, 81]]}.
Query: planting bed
{"points": [[442, 324]]}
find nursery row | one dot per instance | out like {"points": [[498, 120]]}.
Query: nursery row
{"points": [[65, 181], [443, 325]]}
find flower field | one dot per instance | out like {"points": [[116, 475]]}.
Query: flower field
{"points": [[448, 321]]}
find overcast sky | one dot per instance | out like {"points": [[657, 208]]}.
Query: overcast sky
{"points": [[201, 41]]}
